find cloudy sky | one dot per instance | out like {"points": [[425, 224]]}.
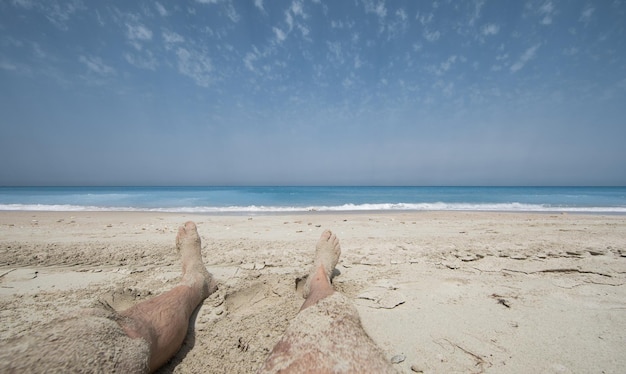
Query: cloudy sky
{"points": [[374, 92]]}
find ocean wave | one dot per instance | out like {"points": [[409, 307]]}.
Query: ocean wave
{"points": [[439, 206]]}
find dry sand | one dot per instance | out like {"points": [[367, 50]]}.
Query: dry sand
{"points": [[440, 292]]}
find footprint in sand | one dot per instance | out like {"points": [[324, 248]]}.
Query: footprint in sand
{"points": [[123, 298], [250, 299]]}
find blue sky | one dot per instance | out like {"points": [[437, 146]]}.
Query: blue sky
{"points": [[224, 92]]}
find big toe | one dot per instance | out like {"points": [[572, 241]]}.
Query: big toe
{"points": [[326, 236], [187, 231], [190, 226]]}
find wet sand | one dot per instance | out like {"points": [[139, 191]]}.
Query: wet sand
{"points": [[437, 291]]}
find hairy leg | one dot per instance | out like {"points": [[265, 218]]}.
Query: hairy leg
{"points": [[326, 336], [139, 339], [318, 284], [163, 321]]}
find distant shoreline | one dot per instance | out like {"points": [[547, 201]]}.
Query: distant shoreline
{"points": [[294, 200]]}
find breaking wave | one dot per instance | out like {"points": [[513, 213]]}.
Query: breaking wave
{"points": [[439, 206]]}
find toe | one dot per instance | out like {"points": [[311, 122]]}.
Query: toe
{"points": [[326, 235], [190, 226], [334, 240]]}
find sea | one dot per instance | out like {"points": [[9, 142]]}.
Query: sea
{"points": [[261, 200]]}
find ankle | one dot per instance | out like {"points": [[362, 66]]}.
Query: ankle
{"points": [[318, 279]]}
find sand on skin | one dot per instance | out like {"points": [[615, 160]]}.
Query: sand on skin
{"points": [[448, 292]]}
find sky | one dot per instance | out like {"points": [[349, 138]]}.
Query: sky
{"points": [[312, 92]]}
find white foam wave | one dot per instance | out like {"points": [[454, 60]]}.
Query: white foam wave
{"points": [[439, 206]]}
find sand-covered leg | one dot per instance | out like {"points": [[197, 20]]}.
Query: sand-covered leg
{"points": [[318, 283], [326, 336], [139, 339], [163, 320], [195, 273], [90, 340]]}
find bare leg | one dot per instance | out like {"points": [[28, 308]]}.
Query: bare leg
{"points": [[326, 336], [318, 286], [139, 339], [163, 321]]}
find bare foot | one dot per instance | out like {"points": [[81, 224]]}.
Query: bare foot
{"points": [[188, 246], [327, 252]]}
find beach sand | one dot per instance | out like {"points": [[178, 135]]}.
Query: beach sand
{"points": [[438, 291]]}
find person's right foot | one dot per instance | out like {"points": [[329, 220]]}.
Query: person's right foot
{"points": [[188, 245]]}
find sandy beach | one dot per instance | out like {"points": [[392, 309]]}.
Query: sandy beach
{"points": [[437, 291]]}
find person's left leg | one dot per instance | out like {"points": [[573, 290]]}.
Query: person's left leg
{"points": [[326, 336], [163, 321]]}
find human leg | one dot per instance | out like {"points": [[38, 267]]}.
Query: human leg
{"points": [[163, 321], [326, 336], [318, 283], [139, 339]]}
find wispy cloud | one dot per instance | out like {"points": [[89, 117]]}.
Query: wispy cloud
{"points": [[357, 62], [475, 15], [249, 60], [38, 51], [487, 31], [231, 13], [170, 38], [490, 29], [447, 88], [399, 24], [335, 53], [586, 14], [444, 66], [431, 36], [136, 34], [96, 65], [59, 14], [7, 66], [297, 8], [424, 19], [26, 4], [259, 4], [228, 8], [294, 18], [547, 11], [161, 9], [280, 34], [99, 18], [304, 30], [195, 65], [378, 9], [528, 55], [147, 61]]}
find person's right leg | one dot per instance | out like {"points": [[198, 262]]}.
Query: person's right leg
{"points": [[163, 320], [136, 340], [326, 336]]}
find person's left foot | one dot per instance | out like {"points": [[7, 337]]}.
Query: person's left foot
{"points": [[189, 246], [327, 252]]}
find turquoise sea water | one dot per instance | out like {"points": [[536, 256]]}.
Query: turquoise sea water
{"points": [[300, 199]]}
